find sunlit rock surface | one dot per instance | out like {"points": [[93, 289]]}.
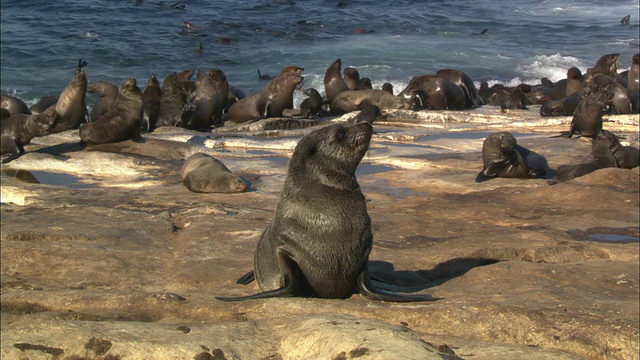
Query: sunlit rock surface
{"points": [[106, 255]]}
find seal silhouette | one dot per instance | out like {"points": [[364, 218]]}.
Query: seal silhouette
{"points": [[318, 243], [205, 174], [121, 122], [503, 157]]}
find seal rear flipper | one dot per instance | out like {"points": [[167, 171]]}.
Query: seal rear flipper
{"points": [[247, 278], [367, 290], [482, 177], [494, 168], [290, 275]]}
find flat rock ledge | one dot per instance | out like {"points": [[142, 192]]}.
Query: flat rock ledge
{"points": [[106, 255]]}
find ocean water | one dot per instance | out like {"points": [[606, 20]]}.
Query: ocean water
{"points": [[41, 40]]}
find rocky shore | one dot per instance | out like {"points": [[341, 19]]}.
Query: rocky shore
{"points": [[106, 255]]}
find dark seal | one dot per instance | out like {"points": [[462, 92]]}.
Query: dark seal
{"points": [[312, 105], [108, 94], [440, 93], [121, 122], [14, 105], [151, 96], [318, 243], [333, 81], [352, 100], [503, 157], [18, 130], [205, 174], [171, 103], [71, 107]]}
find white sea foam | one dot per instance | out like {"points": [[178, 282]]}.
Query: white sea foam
{"points": [[553, 67]]}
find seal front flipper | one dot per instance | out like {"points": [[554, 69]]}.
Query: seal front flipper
{"points": [[290, 272], [366, 288]]}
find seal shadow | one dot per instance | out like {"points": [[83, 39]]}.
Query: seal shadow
{"points": [[61, 149], [385, 277]]}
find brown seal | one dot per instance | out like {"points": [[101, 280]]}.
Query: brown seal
{"points": [[515, 100], [18, 130], [633, 77], [312, 105], [209, 99], [352, 78], [463, 80], [43, 104], [108, 94], [352, 100], [203, 173], [441, 93], [318, 243], [275, 97], [151, 96], [121, 122], [503, 157], [587, 118], [71, 107], [606, 64], [14, 105], [333, 81], [171, 103]]}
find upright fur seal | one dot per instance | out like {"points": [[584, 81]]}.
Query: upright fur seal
{"points": [[606, 64], [587, 118], [503, 157], [108, 94], [205, 174], [121, 122], [18, 130], [318, 243], [352, 78], [333, 81], [275, 97], [71, 107], [312, 105], [151, 96], [633, 77], [171, 103]]}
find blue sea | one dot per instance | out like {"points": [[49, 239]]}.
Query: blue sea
{"points": [[387, 41]]}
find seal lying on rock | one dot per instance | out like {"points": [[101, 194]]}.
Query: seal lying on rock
{"points": [[205, 174], [352, 100], [503, 157], [607, 152], [318, 243]]}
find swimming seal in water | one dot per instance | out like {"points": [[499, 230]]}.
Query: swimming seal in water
{"points": [[318, 243], [121, 122], [503, 157], [203, 173]]}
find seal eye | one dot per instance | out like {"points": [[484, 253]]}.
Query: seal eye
{"points": [[341, 135]]}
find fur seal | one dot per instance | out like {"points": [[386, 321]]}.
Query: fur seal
{"points": [[312, 105], [184, 83], [562, 107], [333, 81], [121, 122], [151, 96], [388, 87], [606, 64], [203, 173], [43, 104], [108, 94], [18, 130], [265, 77], [463, 80], [210, 96], [171, 103], [606, 151], [13, 105], [352, 100], [503, 157], [633, 77], [275, 97], [575, 81], [4, 114], [625, 19], [71, 107], [515, 100], [587, 118], [441, 93], [318, 243], [352, 78]]}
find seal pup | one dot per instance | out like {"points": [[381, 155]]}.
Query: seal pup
{"points": [[121, 122], [318, 243], [13, 105], [108, 94], [352, 78], [18, 130], [203, 173], [270, 101], [515, 100], [312, 105], [463, 80], [352, 100], [171, 103], [71, 107], [607, 152], [442, 93], [388, 87], [503, 157], [151, 96], [43, 104], [333, 81]]}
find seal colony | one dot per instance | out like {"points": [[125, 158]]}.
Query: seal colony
{"points": [[307, 249]]}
